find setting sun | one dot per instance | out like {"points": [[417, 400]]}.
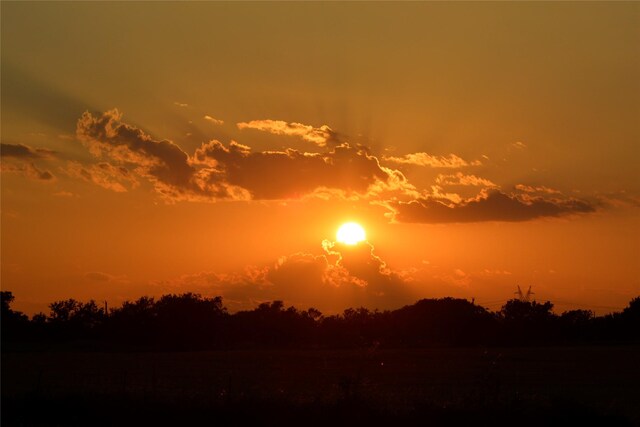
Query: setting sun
{"points": [[350, 233]]}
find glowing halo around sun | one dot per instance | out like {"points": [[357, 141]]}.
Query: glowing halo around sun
{"points": [[350, 233]]}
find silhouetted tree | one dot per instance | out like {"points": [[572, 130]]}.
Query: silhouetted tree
{"points": [[134, 323], [528, 322], [71, 319], [446, 321], [577, 325], [191, 322], [14, 323], [630, 320]]}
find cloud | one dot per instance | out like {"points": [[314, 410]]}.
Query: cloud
{"points": [[213, 120], [539, 189], [294, 174], [320, 136], [99, 276], [20, 159], [438, 192], [424, 159], [342, 276], [488, 206], [65, 194], [494, 272], [456, 278], [27, 169], [106, 175], [21, 151], [160, 161], [619, 199], [217, 172], [464, 180], [519, 145], [180, 104]]}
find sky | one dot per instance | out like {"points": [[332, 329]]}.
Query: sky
{"points": [[164, 147]]}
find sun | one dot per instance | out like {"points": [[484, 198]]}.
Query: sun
{"points": [[350, 233]]}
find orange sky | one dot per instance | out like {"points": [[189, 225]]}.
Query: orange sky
{"points": [[150, 148]]}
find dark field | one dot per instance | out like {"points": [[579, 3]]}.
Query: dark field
{"points": [[514, 386]]}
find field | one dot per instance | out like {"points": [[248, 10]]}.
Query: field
{"points": [[511, 386]]}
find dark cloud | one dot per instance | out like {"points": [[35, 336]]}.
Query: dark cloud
{"points": [[21, 151], [160, 161], [20, 159], [488, 206], [291, 173]]}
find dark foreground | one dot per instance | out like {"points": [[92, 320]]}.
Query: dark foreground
{"points": [[516, 386]]}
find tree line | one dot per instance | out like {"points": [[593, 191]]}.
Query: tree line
{"points": [[191, 322]]}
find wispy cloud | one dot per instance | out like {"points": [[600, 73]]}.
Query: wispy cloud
{"points": [[99, 276], [320, 136], [423, 159], [619, 199], [65, 194], [464, 180], [213, 120], [537, 189]]}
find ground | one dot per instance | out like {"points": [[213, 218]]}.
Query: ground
{"points": [[591, 385]]}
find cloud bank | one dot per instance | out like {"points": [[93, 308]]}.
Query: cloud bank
{"points": [[217, 171]]}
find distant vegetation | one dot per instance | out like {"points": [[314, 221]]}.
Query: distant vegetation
{"points": [[192, 322]]}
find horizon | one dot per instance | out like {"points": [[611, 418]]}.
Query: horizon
{"points": [[221, 149]]}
